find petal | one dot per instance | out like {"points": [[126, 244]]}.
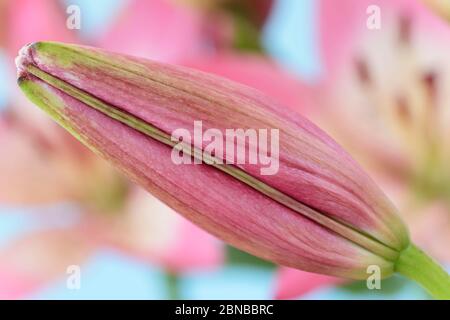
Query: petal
{"points": [[31, 172], [430, 228], [29, 20], [153, 29], [339, 24], [3, 19], [148, 229], [260, 73], [34, 261], [343, 23], [293, 283], [379, 83], [193, 248]]}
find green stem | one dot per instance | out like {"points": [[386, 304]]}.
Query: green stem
{"points": [[172, 285], [414, 264]]}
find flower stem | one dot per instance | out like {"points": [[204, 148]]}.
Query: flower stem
{"points": [[414, 264], [172, 285]]}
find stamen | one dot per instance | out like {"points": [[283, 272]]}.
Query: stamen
{"points": [[429, 80], [402, 109], [363, 71], [405, 30]]}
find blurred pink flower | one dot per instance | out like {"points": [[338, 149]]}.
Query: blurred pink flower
{"points": [[158, 30], [41, 164], [383, 96], [39, 258], [292, 283], [25, 19], [430, 227], [258, 72]]}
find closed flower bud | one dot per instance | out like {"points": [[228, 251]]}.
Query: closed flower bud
{"points": [[315, 209]]}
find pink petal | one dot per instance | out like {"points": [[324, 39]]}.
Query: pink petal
{"points": [[28, 20], [32, 172], [343, 23], [339, 23], [158, 29], [430, 228], [293, 283], [151, 231], [34, 261], [3, 19], [370, 73], [258, 72], [193, 248]]}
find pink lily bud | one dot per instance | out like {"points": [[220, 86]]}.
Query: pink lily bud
{"points": [[315, 209]]}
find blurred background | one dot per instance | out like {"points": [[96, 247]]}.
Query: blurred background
{"points": [[374, 74]]}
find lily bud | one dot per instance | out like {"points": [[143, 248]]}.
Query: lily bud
{"points": [[318, 211]]}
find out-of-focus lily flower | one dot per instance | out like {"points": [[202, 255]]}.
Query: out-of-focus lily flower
{"points": [[384, 97], [26, 18], [3, 15], [144, 228], [257, 72], [292, 283], [330, 217], [41, 164], [430, 225], [55, 250], [172, 32]]}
